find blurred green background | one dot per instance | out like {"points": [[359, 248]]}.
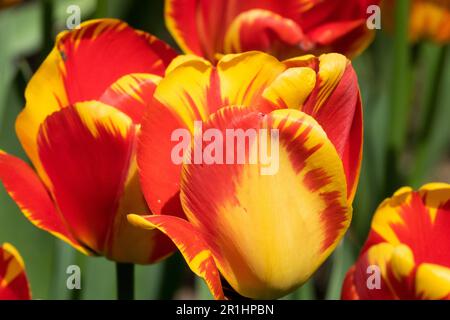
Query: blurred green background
{"points": [[406, 98]]}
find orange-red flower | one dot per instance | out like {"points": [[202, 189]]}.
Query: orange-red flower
{"points": [[8, 3], [265, 234], [409, 244], [79, 126], [13, 280], [284, 28], [428, 19]]}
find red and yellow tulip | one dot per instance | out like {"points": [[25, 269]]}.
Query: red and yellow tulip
{"points": [[428, 19], [284, 28], [410, 244], [83, 111], [265, 234], [13, 280]]}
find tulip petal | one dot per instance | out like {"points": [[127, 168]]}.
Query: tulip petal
{"points": [[86, 152], [129, 243], [27, 190], [82, 65], [131, 94], [189, 89], [332, 99], [204, 34], [418, 219], [244, 77], [45, 94], [336, 28], [291, 88], [400, 279], [347, 37], [13, 280], [192, 244], [259, 220], [159, 174], [189, 92], [335, 103], [409, 242], [366, 280], [304, 61], [348, 291], [263, 30], [433, 281], [328, 33], [83, 49]]}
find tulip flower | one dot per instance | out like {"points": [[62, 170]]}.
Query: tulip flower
{"points": [[428, 19], [79, 126], [264, 234], [284, 28], [13, 280], [408, 248]]}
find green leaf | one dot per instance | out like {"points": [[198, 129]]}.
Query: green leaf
{"points": [[306, 292], [343, 258], [98, 278], [148, 281], [435, 140], [201, 289]]}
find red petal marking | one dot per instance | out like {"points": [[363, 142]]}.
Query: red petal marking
{"points": [[33, 199], [348, 37], [194, 246], [360, 277], [353, 149], [164, 52], [160, 177], [200, 177], [429, 241], [328, 11], [102, 51], [13, 280], [131, 94], [348, 291], [333, 28], [334, 215], [340, 116], [422, 225], [263, 30], [87, 165], [328, 33], [356, 283]]}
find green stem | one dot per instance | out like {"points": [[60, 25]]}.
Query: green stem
{"points": [[342, 260], [47, 27], [305, 292], [125, 281], [433, 134], [102, 9], [401, 76], [432, 56], [80, 261], [400, 95], [172, 276]]}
